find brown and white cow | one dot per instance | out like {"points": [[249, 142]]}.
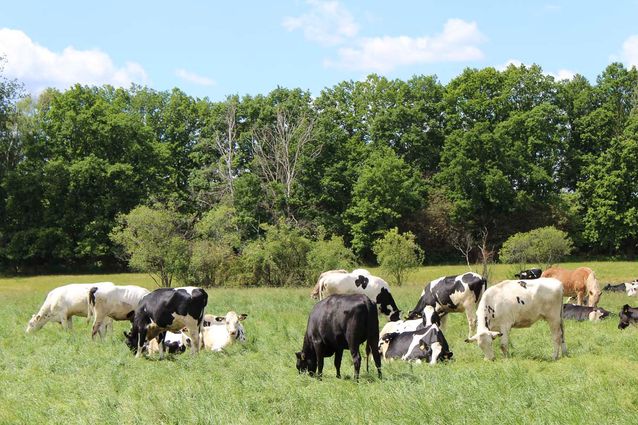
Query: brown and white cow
{"points": [[519, 304]]}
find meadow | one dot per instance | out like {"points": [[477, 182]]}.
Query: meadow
{"points": [[59, 377]]}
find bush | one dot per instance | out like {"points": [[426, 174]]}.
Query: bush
{"points": [[329, 254], [543, 246], [398, 254]]}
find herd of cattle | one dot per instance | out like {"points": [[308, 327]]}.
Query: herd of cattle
{"points": [[346, 315]]}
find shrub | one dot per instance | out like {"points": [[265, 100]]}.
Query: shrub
{"points": [[398, 254], [542, 246], [329, 254]]}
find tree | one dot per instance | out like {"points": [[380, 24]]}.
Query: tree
{"points": [[543, 246], [329, 254], [398, 254], [155, 241]]}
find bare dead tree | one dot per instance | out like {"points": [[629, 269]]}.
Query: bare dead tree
{"points": [[278, 151], [227, 148], [463, 241], [486, 253]]}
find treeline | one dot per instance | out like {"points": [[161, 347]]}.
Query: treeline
{"points": [[468, 163]]}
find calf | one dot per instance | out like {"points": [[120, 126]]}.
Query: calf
{"points": [[218, 332], [628, 315], [582, 312], [621, 287], [529, 274], [62, 303], [115, 302], [519, 304], [453, 294], [174, 343], [360, 281], [425, 343], [167, 309], [337, 323]]}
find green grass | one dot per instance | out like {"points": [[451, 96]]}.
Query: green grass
{"points": [[54, 376]]}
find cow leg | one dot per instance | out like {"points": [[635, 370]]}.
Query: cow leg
{"points": [[470, 313], [558, 338], [356, 359], [436, 351], [141, 339], [338, 356], [376, 356], [505, 342], [579, 297]]}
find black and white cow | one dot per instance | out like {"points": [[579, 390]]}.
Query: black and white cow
{"points": [[621, 287], [167, 309], [453, 294], [628, 315], [359, 281], [425, 343], [583, 312], [529, 274], [337, 323]]}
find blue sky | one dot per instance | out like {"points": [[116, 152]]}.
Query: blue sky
{"points": [[214, 49]]}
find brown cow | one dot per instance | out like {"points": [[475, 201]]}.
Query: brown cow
{"points": [[579, 283]]}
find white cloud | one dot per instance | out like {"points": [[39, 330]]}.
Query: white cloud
{"points": [[194, 78], [458, 42], [327, 22], [630, 51], [38, 67], [507, 63]]}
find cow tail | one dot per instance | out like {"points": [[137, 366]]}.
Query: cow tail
{"points": [[91, 303], [372, 343]]}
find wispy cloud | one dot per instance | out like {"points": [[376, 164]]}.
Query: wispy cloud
{"points": [[38, 67], [327, 22], [458, 41], [191, 77], [630, 51]]}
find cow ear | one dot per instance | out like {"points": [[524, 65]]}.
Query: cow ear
{"points": [[220, 318], [242, 316]]}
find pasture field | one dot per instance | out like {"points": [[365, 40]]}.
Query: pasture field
{"points": [[58, 377]]}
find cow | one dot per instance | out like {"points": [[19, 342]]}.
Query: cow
{"points": [[167, 309], [621, 287], [632, 288], [583, 312], [337, 323], [115, 302], [360, 281], [529, 274], [453, 294], [316, 291], [62, 303], [580, 282], [175, 343], [519, 304], [427, 342], [430, 316], [218, 332], [628, 315]]}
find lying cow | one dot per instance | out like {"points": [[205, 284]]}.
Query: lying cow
{"points": [[360, 281], [628, 315], [218, 332], [337, 323], [583, 312], [167, 309], [175, 343], [64, 302], [529, 274], [519, 304], [621, 287], [114, 302], [632, 288], [426, 343], [453, 294]]}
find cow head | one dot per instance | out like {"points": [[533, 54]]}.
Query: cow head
{"points": [[484, 340], [625, 317], [306, 363], [36, 322], [598, 314], [130, 338], [387, 305], [231, 321]]}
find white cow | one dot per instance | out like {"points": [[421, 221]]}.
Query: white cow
{"points": [[219, 332], [359, 281], [64, 302], [115, 302], [632, 288], [519, 304]]}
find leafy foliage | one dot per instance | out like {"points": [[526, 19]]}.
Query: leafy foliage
{"points": [[398, 254], [543, 246]]}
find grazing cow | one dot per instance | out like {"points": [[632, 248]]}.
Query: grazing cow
{"points": [[116, 302], [316, 291], [175, 343], [621, 287], [627, 316], [337, 323], [453, 294], [218, 332], [529, 274], [64, 302], [360, 281], [519, 304], [580, 282], [583, 312], [425, 343], [167, 309]]}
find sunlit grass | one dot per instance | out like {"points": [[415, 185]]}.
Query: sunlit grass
{"points": [[62, 377]]}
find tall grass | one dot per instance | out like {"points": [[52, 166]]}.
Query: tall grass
{"points": [[54, 376]]}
